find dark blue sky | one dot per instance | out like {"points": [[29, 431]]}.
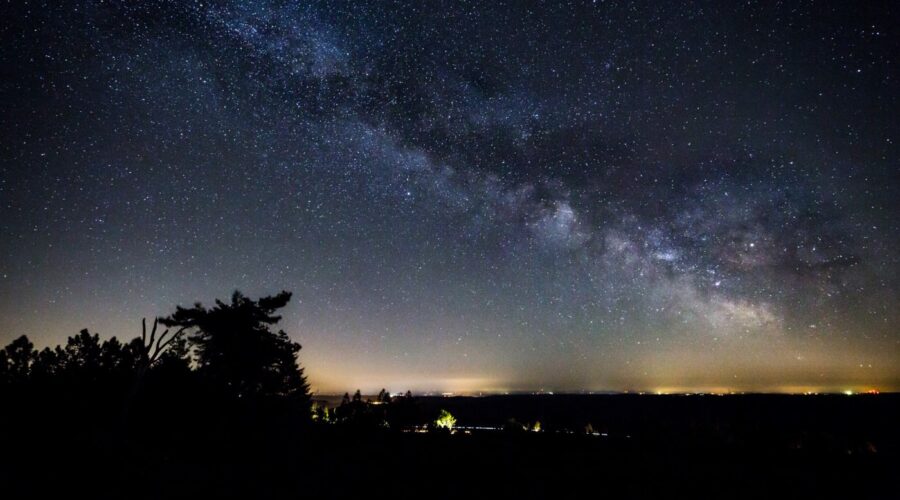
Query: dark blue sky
{"points": [[467, 196]]}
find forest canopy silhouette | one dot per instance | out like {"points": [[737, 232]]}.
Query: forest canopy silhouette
{"points": [[227, 356]]}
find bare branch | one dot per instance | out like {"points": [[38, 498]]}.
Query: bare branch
{"points": [[165, 344], [160, 344], [153, 334]]}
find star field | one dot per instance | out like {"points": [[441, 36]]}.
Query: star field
{"points": [[467, 196]]}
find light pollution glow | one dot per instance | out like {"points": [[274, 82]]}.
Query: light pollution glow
{"points": [[476, 198]]}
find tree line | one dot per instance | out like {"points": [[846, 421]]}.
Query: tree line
{"points": [[200, 373], [222, 363]]}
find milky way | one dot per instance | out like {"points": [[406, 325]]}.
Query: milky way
{"points": [[467, 196]]}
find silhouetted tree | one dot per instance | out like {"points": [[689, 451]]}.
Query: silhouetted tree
{"points": [[168, 349], [81, 361], [359, 414], [46, 365], [238, 353], [403, 412], [16, 360], [152, 348]]}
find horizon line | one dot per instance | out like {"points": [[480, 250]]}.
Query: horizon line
{"points": [[870, 392]]}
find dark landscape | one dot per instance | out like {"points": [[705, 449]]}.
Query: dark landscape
{"points": [[148, 419]]}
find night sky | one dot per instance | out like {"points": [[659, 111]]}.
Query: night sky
{"points": [[467, 196]]}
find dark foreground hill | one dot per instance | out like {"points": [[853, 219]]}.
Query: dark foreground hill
{"points": [[586, 446]]}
